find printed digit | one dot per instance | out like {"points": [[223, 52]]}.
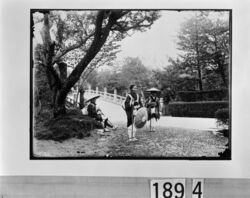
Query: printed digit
{"points": [[167, 190], [179, 191], [156, 189], [197, 189]]}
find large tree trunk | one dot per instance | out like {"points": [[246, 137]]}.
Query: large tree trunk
{"points": [[60, 93], [61, 85], [59, 103]]}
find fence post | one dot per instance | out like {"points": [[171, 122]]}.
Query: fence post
{"points": [[96, 90], [75, 99], [115, 94], [105, 92], [89, 88], [162, 107]]}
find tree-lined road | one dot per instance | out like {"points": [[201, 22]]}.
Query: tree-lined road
{"points": [[116, 114], [174, 137]]}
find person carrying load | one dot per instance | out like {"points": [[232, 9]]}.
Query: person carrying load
{"points": [[131, 105]]}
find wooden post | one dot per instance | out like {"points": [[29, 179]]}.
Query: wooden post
{"points": [[115, 95], [89, 88], [105, 92], [162, 106], [96, 90], [75, 98]]}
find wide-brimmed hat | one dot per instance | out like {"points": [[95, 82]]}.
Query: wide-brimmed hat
{"points": [[153, 89], [141, 117], [92, 98]]}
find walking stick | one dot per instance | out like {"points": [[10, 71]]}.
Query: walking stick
{"points": [[150, 124], [132, 133]]}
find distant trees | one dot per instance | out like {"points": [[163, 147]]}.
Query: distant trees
{"points": [[85, 40], [203, 62], [132, 71], [175, 77]]}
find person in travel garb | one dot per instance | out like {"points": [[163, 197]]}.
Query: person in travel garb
{"points": [[132, 104], [96, 113], [153, 106]]}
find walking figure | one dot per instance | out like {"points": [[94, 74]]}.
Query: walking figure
{"points": [[153, 106], [132, 104]]}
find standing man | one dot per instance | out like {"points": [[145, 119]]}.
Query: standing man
{"points": [[132, 105], [153, 106]]}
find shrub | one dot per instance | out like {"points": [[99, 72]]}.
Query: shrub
{"points": [[212, 95], [222, 116], [72, 124], [204, 109]]}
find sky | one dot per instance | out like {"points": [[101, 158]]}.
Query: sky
{"points": [[157, 44], [154, 46]]}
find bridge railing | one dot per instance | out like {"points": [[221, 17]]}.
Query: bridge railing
{"points": [[110, 97], [114, 98]]}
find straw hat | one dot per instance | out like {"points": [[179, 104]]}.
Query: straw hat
{"points": [[92, 98], [141, 117], [153, 89]]}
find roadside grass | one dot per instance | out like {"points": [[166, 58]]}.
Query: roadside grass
{"points": [[165, 142], [169, 142]]}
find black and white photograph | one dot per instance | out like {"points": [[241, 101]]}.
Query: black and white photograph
{"points": [[130, 84], [124, 98]]}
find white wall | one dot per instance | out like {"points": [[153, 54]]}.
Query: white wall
{"points": [[109, 187], [15, 97]]}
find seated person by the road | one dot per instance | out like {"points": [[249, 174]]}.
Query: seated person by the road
{"points": [[95, 112]]}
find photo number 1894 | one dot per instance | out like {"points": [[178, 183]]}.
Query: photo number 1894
{"points": [[175, 188]]}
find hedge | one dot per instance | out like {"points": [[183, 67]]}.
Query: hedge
{"points": [[204, 109], [211, 95], [222, 116]]}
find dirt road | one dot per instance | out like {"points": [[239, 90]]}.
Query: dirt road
{"points": [[165, 142]]}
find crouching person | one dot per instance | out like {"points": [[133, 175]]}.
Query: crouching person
{"points": [[96, 113]]}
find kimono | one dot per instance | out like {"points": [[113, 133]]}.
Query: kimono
{"points": [[153, 106], [92, 112], [132, 104], [96, 113]]}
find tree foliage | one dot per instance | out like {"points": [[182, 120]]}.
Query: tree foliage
{"points": [[132, 71], [84, 40], [204, 43], [203, 63]]}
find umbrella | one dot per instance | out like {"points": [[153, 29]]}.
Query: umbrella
{"points": [[93, 97], [141, 117], [153, 89]]}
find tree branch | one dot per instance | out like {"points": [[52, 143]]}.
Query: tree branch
{"points": [[70, 48], [100, 37], [119, 27]]}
